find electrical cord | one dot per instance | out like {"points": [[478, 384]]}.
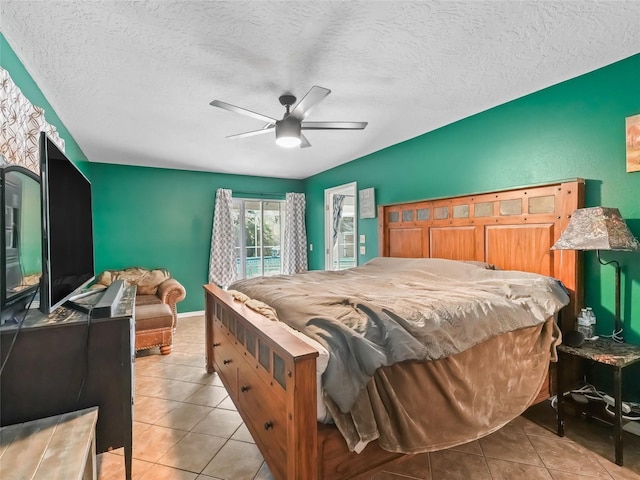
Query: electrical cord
{"points": [[617, 335], [588, 393], [609, 409], [85, 366], [15, 335]]}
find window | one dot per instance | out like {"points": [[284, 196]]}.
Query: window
{"points": [[258, 226]]}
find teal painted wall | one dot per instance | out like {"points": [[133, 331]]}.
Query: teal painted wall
{"points": [[573, 129], [153, 217]]}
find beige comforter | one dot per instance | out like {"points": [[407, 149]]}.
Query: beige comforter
{"points": [[390, 311]]}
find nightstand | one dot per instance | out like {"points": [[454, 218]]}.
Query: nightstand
{"points": [[607, 352]]}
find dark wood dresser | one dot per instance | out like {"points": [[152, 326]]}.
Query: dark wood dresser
{"points": [[64, 362]]}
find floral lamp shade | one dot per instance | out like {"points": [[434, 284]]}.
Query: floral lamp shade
{"points": [[597, 228]]}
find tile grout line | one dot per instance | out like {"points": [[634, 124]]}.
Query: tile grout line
{"points": [[611, 475], [484, 457]]}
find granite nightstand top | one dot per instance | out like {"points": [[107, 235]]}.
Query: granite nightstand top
{"points": [[605, 350]]}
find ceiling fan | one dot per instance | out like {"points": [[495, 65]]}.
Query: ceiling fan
{"points": [[289, 129]]}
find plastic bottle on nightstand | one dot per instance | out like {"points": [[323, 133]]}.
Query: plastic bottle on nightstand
{"points": [[592, 319], [584, 323]]}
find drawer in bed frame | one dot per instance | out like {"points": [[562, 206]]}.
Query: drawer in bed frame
{"points": [[259, 374]]}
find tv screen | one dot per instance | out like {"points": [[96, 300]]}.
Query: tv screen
{"points": [[67, 246], [20, 239]]}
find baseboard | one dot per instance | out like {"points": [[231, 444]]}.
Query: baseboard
{"points": [[198, 313]]}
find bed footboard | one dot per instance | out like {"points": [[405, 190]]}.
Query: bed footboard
{"points": [[271, 377]]}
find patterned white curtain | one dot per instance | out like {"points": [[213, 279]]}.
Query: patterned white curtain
{"points": [[20, 127], [294, 243], [222, 262]]}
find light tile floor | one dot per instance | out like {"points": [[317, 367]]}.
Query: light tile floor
{"points": [[186, 428]]}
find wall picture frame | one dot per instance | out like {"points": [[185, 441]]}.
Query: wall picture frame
{"points": [[633, 143], [367, 203]]}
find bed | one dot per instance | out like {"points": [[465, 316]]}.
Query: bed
{"points": [[271, 373]]}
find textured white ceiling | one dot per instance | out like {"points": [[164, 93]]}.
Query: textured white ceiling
{"points": [[132, 80]]}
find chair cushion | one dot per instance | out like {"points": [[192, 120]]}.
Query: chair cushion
{"points": [[147, 300], [153, 316]]}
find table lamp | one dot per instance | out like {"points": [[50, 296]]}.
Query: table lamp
{"points": [[600, 228]]}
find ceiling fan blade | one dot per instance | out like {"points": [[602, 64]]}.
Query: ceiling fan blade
{"points": [[314, 96], [242, 111], [334, 125], [267, 129], [304, 142]]}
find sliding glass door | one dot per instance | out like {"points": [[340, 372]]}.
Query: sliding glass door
{"points": [[258, 228]]}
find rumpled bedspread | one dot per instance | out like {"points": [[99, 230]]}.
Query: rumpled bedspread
{"points": [[393, 310]]}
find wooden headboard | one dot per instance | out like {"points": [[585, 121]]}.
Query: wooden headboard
{"points": [[513, 229]]}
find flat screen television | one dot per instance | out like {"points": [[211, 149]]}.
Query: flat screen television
{"points": [[20, 240], [67, 226]]}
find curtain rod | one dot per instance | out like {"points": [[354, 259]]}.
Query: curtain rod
{"points": [[260, 194], [257, 193]]}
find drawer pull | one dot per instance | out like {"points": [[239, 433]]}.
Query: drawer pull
{"points": [[227, 362], [216, 344], [268, 425], [244, 388]]}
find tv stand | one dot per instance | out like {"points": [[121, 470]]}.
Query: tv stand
{"points": [[50, 359], [79, 307]]}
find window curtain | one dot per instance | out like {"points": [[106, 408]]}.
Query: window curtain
{"points": [[222, 261], [338, 203], [20, 127], [294, 242]]}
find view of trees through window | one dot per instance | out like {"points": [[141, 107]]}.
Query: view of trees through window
{"points": [[258, 226]]}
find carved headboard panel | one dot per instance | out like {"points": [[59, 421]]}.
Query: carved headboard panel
{"points": [[513, 229]]}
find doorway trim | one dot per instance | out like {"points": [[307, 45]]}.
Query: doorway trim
{"points": [[345, 189]]}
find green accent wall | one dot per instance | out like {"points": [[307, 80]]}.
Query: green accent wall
{"points": [[573, 129], [154, 217]]}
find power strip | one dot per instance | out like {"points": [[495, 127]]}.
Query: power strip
{"points": [[611, 401], [632, 427]]}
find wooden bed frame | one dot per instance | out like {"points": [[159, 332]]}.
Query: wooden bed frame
{"points": [[271, 375]]}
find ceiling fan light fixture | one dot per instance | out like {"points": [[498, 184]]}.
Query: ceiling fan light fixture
{"points": [[288, 132], [288, 142], [289, 129]]}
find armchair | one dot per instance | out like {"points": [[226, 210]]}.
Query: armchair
{"points": [[156, 297]]}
